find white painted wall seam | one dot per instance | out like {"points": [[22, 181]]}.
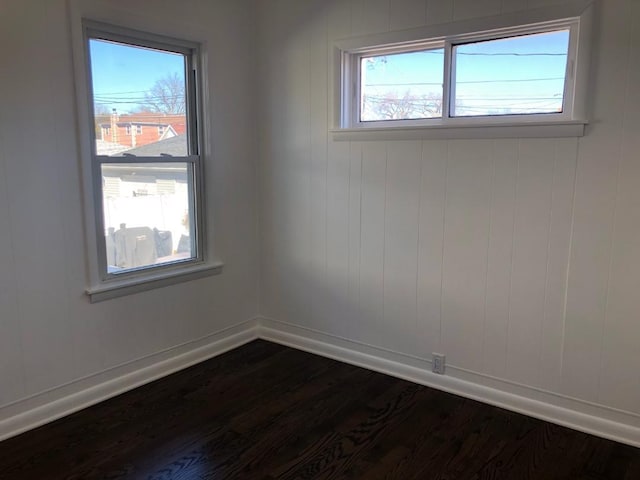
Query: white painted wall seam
{"points": [[442, 256], [513, 242], [546, 275], [422, 340], [491, 220]]}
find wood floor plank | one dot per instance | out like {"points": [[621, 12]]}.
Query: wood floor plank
{"points": [[267, 412]]}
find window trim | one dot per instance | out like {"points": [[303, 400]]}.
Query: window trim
{"points": [[102, 284], [344, 72]]}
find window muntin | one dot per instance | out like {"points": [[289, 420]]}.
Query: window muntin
{"points": [[457, 96], [521, 75], [147, 191]]}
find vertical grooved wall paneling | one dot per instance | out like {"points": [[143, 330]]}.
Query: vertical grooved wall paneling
{"points": [[50, 335], [516, 258], [618, 376], [595, 206]]}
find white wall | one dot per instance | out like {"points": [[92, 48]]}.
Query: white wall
{"points": [[518, 259], [49, 333]]}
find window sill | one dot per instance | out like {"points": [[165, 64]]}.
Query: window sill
{"points": [[571, 128], [127, 286]]}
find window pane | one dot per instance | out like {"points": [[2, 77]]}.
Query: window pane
{"points": [[148, 217], [518, 75], [402, 86], [138, 99]]}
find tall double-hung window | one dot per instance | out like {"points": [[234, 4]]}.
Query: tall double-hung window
{"points": [[147, 192]]}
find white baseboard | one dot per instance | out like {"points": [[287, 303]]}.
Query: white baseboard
{"points": [[46, 407], [37, 410], [594, 419]]}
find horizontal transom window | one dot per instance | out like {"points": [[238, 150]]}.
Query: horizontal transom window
{"points": [[516, 74]]}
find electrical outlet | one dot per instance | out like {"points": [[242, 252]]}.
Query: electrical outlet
{"points": [[437, 363]]}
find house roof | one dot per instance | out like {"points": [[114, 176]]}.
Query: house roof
{"points": [[176, 146]]}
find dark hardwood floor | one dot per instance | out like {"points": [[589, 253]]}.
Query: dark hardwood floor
{"points": [[265, 411]]}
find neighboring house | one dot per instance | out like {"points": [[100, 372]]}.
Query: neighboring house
{"points": [[135, 130], [108, 148], [175, 145], [133, 180], [156, 193]]}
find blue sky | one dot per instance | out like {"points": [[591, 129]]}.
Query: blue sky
{"points": [[524, 73], [121, 74]]}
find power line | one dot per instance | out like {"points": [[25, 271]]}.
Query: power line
{"points": [[383, 98], [476, 54], [485, 54], [513, 80], [116, 101], [121, 93], [512, 54], [146, 97]]}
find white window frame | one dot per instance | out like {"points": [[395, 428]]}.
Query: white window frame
{"points": [[102, 284], [345, 65], [352, 82]]}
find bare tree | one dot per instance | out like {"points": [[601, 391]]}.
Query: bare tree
{"points": [[101, 115], [166, 96], [101, 110], [430, 105], [392, 106]]}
